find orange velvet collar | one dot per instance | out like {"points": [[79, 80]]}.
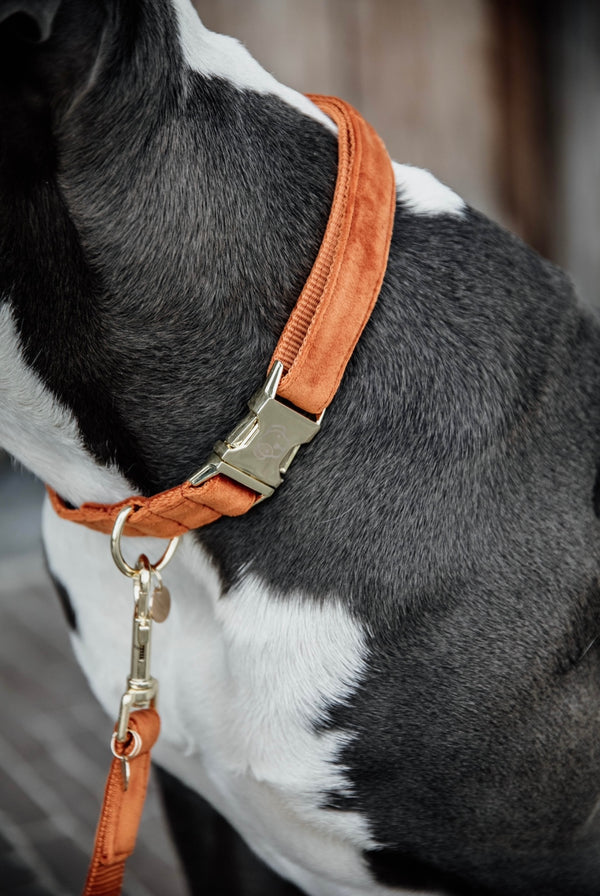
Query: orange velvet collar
{"points": [[317, 341]]}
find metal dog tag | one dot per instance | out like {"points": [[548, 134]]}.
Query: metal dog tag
{"points": [[161, 603]]}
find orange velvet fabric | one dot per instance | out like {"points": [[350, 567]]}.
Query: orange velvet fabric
{"points": [[345, 280], [121, 812], [167, 514], [318, 339]]}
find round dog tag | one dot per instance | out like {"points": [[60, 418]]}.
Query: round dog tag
{"points": [[161, 603]]}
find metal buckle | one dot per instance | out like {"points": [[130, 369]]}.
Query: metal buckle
{"points": [[262, 446]]}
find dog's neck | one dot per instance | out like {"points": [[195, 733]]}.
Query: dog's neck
{"points": [[184, 229]]}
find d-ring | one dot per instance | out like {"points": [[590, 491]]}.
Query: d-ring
{"points": [[117, 555], [137, 745]]}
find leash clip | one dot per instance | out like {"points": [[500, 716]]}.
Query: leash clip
{"points": [[259, 450], [142, 688]]}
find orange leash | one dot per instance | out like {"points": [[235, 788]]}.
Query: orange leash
{"points": [[122, 808], [137, 727]]}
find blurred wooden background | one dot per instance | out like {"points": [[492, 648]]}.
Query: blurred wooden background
{"points": [[499, 98]]}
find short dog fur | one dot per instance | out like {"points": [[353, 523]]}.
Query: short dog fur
{"points": [[385, 679]]}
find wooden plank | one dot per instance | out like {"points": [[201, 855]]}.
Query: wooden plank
{"points": [[419, 70], [295, 41], [525, 144], [428, 88], [578, 127], [461, 88]]}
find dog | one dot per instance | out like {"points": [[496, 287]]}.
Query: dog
{"points": [[385, 678]]}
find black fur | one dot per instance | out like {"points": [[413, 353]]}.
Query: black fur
{"points": [[157, 221]]}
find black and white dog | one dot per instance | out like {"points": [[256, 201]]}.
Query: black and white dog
{"points": [[385, 678]]}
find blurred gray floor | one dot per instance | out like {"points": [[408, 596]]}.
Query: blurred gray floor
{"points": [[54, 752]]}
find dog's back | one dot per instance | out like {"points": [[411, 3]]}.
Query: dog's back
{"points": [[385, 677]]}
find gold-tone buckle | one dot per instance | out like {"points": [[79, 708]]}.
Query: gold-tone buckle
{"points": [[259, 450]]}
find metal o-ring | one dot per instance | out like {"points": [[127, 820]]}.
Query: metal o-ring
{"points": [[137, 745], [117, 554]]}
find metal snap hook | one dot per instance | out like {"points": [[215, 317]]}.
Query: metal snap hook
{"points": [[117, 555]]}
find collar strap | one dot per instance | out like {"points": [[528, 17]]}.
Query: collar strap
{"points": [[308, 362]]}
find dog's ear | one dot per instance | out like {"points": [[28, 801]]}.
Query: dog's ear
{"points": [[47, 49], [28, 20]]}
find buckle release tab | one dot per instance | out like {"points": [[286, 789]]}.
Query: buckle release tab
{"points": [[259, 450]]}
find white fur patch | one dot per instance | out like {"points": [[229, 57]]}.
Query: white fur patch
{"points": [[220, 56], [42, 434], [420, 192], [244, 680]]}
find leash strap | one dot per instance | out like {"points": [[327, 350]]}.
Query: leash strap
{"points": [[318, 339], [122, 808]]}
